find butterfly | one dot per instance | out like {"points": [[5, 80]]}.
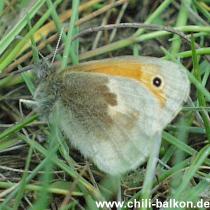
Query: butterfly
{"points": [[112, 109]]}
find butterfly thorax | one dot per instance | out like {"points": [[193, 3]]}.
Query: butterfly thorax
{"points": [[47, 93]]}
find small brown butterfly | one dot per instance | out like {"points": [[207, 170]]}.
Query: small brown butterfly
{"points": [[112, 109]]}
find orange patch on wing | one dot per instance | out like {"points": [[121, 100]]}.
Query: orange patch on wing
{"points": [[146, 78], [127, 69], [114, 68], [159, 94]]}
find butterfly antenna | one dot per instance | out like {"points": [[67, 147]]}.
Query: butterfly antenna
{"points": [[57, 45]]}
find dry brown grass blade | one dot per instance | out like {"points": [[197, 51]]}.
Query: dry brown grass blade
{"points": [[54, 37]]}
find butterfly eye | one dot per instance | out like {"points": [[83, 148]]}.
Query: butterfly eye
{"points": [[157, 81]]}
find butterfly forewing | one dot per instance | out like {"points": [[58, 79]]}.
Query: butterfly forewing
{"points": [[108, 117]]}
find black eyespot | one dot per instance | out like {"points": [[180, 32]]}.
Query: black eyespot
{"points": [[157, 81]]}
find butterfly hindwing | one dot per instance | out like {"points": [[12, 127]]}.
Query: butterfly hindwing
{"points": [[108, 117]]}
